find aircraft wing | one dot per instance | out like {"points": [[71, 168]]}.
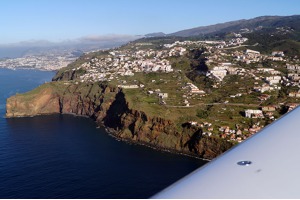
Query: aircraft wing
{"points": [[267, 165]]}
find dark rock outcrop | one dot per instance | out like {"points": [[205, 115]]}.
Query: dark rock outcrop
{"points": [[68, 75]]}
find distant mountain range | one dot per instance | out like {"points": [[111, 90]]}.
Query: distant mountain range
{"points": [[87, 43], [235, 26]]}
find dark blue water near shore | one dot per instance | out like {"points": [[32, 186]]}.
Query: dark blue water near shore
{"points": [[64, 156]]}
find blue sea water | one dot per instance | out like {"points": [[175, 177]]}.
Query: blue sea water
{"points": [[64, 156]]}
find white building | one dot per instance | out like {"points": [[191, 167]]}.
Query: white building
{"points": [[253, 113], [252, 52], [163, 95], [273, 80]]}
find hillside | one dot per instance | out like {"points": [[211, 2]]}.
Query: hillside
{"points": [[236, 26], [194, 97], [111, 107]]}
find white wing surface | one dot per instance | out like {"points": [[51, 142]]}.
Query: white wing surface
{"points": [[267, 165]]}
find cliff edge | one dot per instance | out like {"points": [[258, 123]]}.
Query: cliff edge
{"points": [[109, 107]]}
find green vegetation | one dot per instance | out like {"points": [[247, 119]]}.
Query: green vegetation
{"points": [[187, 107], [204, 114], [58, 87], [225, 101], [268, 42]]}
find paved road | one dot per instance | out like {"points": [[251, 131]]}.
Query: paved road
{"points": [[241, 46], [211, 104]]}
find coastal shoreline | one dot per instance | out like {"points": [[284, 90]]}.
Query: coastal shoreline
{"points": [[113, 133]]}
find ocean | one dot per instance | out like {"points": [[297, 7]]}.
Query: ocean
{"points": [[65, 156]]}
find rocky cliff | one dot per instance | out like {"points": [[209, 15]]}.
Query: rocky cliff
{"points": [[108, 106]]}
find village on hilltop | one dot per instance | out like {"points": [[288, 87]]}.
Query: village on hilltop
{"points": [[257, 78], [223, 58]]}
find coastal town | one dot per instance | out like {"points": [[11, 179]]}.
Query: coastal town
{"points": [[269, 74], [239, 85], [46, 61]]}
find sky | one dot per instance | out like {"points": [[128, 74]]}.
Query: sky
{"points": [[61, 20]]}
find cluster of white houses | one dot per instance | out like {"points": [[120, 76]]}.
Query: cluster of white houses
{"points": [[237, 134], [103, 69], [251, 56], [126, 63], [48, 62], [220, 62], [268, 79]]}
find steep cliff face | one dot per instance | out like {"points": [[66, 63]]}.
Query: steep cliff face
{"points": [[43, 102], [108, 107]]}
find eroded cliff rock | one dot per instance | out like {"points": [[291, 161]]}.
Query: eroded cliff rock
{"points": [[43, 102], [108, 106]]}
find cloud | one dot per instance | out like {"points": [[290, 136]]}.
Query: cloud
{"points": [[29, 43], [108, 38], [86, 43]]}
